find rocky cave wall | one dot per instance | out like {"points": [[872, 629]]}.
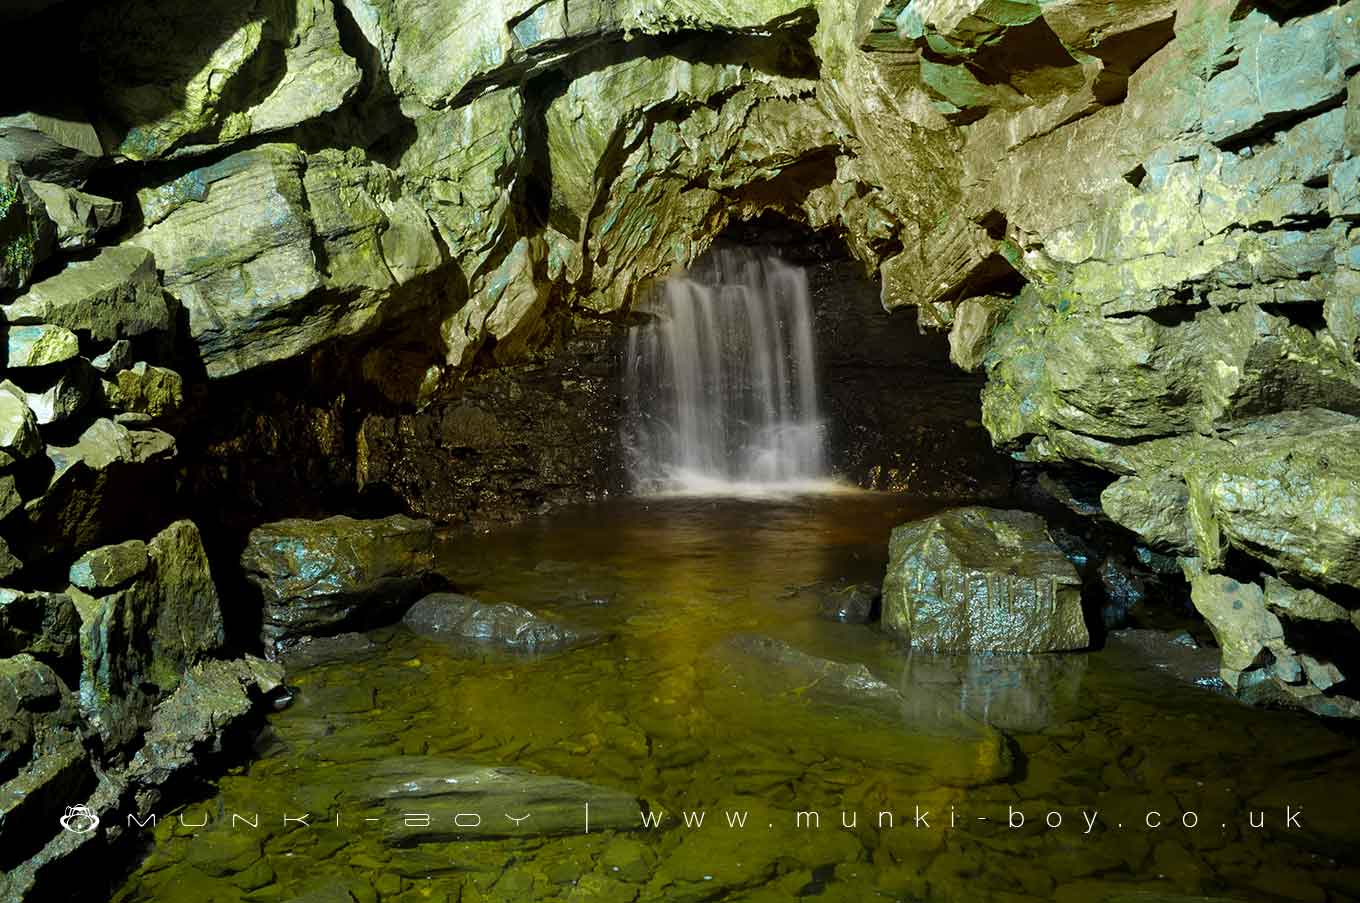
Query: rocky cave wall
{"points": [[1138, 221]]}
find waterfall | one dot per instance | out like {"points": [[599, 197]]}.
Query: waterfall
{"points": [[722, 382]]}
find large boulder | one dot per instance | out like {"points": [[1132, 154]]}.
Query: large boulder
{"points": [[114, 295], [101, 487], [982, 580], [502, 625], [323, 577], [55, 148], [141, 630]]}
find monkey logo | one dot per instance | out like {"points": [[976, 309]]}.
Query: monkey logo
{"points": [[79, 820]]}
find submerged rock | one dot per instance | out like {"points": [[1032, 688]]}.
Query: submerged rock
{"points": [[321, 577], [316, 650], [503, 625], [464, 801], [982, 580], [1174, 653], [855, 604]]}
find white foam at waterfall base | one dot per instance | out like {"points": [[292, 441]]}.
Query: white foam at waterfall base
{"points": [[722, 384]]}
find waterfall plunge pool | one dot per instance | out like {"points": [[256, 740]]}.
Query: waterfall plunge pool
{"points": [[682, 711]]}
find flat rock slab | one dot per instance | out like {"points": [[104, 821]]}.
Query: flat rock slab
{"points": [[430, 799], [1175, 654], [503, 626], [845, 710], [322, 577], [982, 580]]}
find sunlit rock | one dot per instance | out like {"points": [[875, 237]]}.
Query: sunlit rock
{"points": [[114, 295]]}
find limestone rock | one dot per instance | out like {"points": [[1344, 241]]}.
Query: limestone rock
{"points": [[1237, 614], [99, 486], [327, 576], [39, 346], [147, 389], [43, 764], [10, 564], [54, 148], [43, 625], [19, 439], [137, 642], [1300, 604], [273, 253], [65, 396], [1156, 507], [1283, 68], [27, 235], [450, 616], [115, 295], [1287, 490], [982, 580], [211, 698], [971, 332], [188, 78], [109, 567], [118, 357], [1174, 654], [235, 243], [79, 217]]}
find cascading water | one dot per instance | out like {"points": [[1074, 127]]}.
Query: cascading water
{"points": [[723, 383]]}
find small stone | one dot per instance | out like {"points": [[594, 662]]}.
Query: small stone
{"points": [[856, 604], [62, 400], [79, 217], [1237, 615], [118, 357], [510, 627], [1323, 675], [9, 562], [57, 148], [147, 389], [19, 437], [10, 500], [40, 346], [109, 567]]}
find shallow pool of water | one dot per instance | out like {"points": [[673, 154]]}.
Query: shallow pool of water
{"points": [[1086, 777]]}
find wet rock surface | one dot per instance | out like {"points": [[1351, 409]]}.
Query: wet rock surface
{"points": [[444, 788], [463, 619], [325, 576], [982, 580], [854, 604]]}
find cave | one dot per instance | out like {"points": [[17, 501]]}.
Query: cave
{"points": [[679, 450]]}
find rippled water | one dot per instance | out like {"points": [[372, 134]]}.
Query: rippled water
{"points": [[676, 712]]}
